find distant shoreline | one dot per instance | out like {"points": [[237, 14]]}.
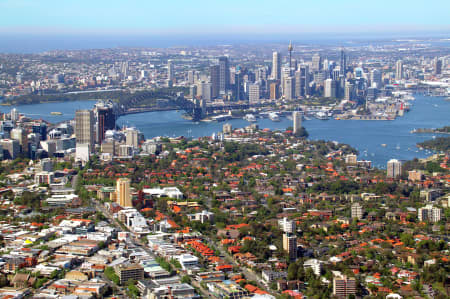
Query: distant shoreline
{"points": [[444, 130], [43, 102]]}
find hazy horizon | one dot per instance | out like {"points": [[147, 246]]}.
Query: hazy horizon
{"points": [[36, 43]]}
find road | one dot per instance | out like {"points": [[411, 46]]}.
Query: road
{"points": [[248, 274], [117, 290]]}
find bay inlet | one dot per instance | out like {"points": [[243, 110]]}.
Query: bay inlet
{"points": [[366, 136]]}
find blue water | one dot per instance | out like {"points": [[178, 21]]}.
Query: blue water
{"points": [[42, 111], [366, 136]]}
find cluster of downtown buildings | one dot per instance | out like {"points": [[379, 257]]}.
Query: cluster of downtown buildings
{"points": [[292, 78], [92, 130], [231, 73]]}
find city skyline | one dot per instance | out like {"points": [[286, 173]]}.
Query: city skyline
{"points": [[203, 17]]}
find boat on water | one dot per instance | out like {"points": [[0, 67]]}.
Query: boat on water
{"points": [[222, 117], [322, 115], [274, 116], [250, 117], [56, 113], [383, 145]]}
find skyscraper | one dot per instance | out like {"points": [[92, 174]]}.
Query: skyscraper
{"points": [[375, 78], [330, 88], [214, 73], [106, 120], [41, 129], [206, 90], [437, 66], [285, 73], [274, 90], [132, 137], [394, 168], [399, 70], [316, 62], [190, 77], [349, 90], [289, 85], [84, 127], [123, 194], [290, 245], [297, 121], [14, 114], [124, 69], [170, 70], [10, 148], [238, 86], [304, 80], [20, 135], [343, 62], [224, 75], [290, 49], [254, 92], [298, 83], [276, 66]]}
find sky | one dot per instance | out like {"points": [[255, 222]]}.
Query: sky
{"points": [[222, 16]]}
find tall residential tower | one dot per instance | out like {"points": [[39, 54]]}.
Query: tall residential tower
{"points": [[276, 66]]}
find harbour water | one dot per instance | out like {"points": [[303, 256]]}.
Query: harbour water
{"points": [[366, 136]]}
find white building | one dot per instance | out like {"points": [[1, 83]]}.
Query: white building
{"points": [[171, 192], [429, 213], [61, 200], [254, 92], [357, 211], [82, 152], [132, 137], [151, 147], [329, 88], [351, 159], [268, 275], [187, 261], [394, 168], [134, 220], [202, 216], [286, 225], [314, 264], [297, 121]]}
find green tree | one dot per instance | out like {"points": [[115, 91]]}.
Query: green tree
{"points": [[186, 279], [292, 271]]}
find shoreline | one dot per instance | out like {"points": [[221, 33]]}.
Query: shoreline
{"points": [[49, 102]]}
